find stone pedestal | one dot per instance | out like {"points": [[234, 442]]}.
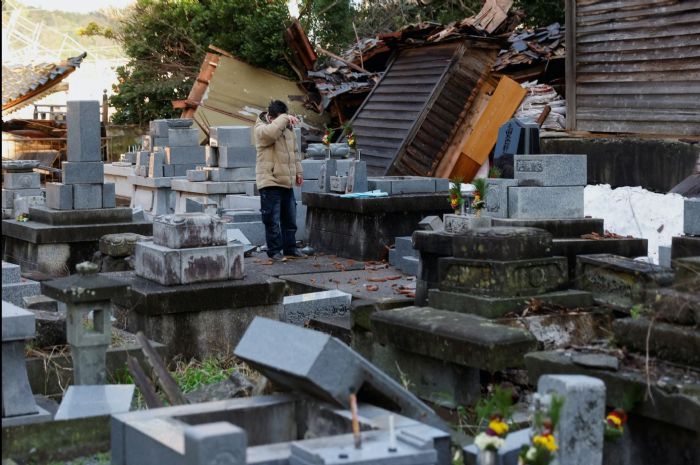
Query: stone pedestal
{"points": [[18, 405], [153, 195], [362, 228], [87, 293], [118, 173], [19, 181]]}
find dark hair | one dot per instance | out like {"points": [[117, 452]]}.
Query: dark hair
{"points": [[276, 108]]}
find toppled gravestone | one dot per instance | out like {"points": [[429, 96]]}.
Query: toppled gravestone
{"points": [[324, 367]]}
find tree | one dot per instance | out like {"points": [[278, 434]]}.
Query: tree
{"points": [[328, 22], [166, 41], [542, 12]]}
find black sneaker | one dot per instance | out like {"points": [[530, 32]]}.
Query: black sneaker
{"points": [[295, 253], [278, 257]]}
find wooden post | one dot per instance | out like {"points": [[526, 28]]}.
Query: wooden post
{"points": [[570, 66]]}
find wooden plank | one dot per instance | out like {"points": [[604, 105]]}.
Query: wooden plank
{"points": [[654, 114], [640, 66], [165, 381], [631, 35], [382, 124], [570, 63], [627, 15], [412, 81], [679, 52], [669, 101], [590, 6], [638, 127], [410, 99], [654, 43], [143, 383], [638, 77], [390, 113], [500, 108], [689, 87]]}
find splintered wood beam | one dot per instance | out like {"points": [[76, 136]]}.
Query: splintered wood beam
{"points": [[165, 381], [143, 383], [336, 57]]}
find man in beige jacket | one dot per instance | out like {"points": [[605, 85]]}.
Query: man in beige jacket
{"points": [[277, 170]]}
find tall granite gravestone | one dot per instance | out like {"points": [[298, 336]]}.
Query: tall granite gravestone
{"points": [[18, 405], [78, 211], [87, 293]]}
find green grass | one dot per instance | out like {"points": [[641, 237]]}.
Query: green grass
{"points": [[194, 373]]}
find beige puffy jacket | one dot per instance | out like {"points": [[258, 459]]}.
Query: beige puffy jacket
{"points": [[277, 164]]}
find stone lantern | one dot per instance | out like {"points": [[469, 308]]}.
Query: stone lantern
{"points": [[83, 293]]}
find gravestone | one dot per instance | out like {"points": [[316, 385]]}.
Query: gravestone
{"points": [[18, 404], [19, 181], [87, 293], [82, 401], [298, 309], [459, 224], [15, 288]]}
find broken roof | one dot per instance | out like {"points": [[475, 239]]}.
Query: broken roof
{"points": [[22, 85]]}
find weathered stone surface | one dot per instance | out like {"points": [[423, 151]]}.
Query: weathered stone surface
{"points": [[619, 282], [230, 136], [691, 216], [81, 217], [558, 228], [503, 278], [120, 245], [87, 196], [19, 166], [236, 385], [185, 230], [183, 137], [545, 202], [497, 197], [50, 327], [109, 195], [685, 246], [431, 223], [21, 181], [83, 124], [83, 172], [72, 289], [17, 323], [598, 361], [93, 401], [155, 164], [197, 175], [231, 174], [59, 196], [236, 157], [503, 243], [463, 339], [11, 273], [497, 307], [579, 431], [675, 306], [460, 224], [550, 170], [316, 363], [193, 155], [573, 247], [158, 128], [300, 308], [16, 292], [680, 344]]}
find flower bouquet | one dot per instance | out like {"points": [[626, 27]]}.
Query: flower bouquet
{"points": [[327, 138], [543, 445], [456, 200], [479, 201], [491, 440], [615, 424]]}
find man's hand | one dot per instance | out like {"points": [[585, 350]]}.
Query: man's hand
{"points": [[300, 179], [293, 120]]}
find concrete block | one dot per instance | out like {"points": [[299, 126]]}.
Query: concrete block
{"points": [[8, 198], [237, 157], [23, 203], [497, 196], [185, 230], [550, 170], [11, 273], [157, 263], [83, 124], [316, 363], [251, 189], [409, 265], [15, 293], [18, 324], [412, 185], [160, 143], [241, 202], [579, 432], [442, 185], [109, 195], [253, 230], [357, 177], [82, 401], [155, 164], [241, 216], [129, 157], [211, 156], [298, 309], [185, 155], [83, 172], [159, 128], [141, 171], [21, 180], [215, 443], [231, 136], [201, 264], [545, 202], [59, 196], [181, 170], [431, 223], [197, 175], [665, 256], [691, 217], [86, 196], [231, 174], [311, 168], [168, 171], [236, 236], [183, 137]]}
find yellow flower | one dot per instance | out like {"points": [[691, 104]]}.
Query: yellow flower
{"points": [[614, 419], [498, 427], [547, 441]]}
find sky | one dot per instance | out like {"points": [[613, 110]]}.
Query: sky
{"points": [[76, 6]]}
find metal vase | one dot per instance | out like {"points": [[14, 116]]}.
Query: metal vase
{"points": [[488, 457]]}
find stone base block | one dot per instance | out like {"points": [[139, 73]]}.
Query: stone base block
{"points": [[298, 309], [87, 196], [685, 246], [11, 273], [504, 243], [667, 341], [559, 228], [231, 174], [545, 202], [83, 172], [15, 293], [59, 196], [24, 203], [550, 170], [498, 307], [21, 180], [497, 197], [183, 137], [185, 230], [691, 217], [185, 155], [237, 157], [197, 175], [73, 217], [503, 278], [39, 417], [109, 195], [235, 136], [458, 224], [172, 267]]}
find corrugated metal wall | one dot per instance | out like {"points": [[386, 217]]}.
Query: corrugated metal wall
{"points": [[633, 66], [394, 107]]}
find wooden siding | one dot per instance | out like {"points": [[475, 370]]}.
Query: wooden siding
{"points": [[633, 66], [394, 107]]}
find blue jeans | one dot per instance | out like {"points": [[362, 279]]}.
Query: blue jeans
{"points": [[279, 214]]}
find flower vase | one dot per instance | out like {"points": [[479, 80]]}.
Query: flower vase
{"points": [[488, 457], [478, 213]]}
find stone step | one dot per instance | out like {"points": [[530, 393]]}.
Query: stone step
{"points": [[394, 257], [11, 273], [497, 307], [465, 340], [409, 265], [16, 292], [338, 327], [404, 247], [559, 228], [298, 309], [684, 246], [675, 343], [675, 306], [75, 217], [688, 273], [619, 282], [504, 243], [572, 247]]}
